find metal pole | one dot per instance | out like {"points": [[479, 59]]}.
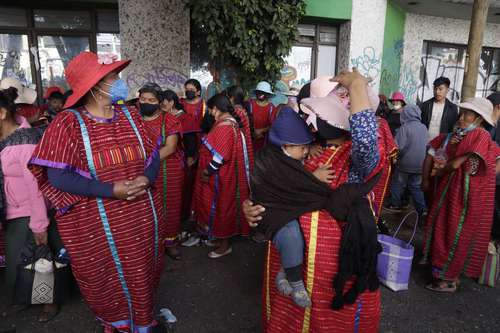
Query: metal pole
{"points": [[474, 47]]}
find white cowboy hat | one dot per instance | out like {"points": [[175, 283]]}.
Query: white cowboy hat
{"points": [[25, 95], [481, 106], [264, 87]]}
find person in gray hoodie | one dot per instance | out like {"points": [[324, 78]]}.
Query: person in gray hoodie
{"points": [[411, 139]]}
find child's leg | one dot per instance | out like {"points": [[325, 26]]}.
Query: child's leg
{"points": [[290, 244], [415, 186]]}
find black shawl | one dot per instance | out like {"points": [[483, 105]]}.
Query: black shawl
{"points": [[287, 190], [21, 136]]}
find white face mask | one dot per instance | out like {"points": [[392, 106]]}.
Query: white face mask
{"points": [[397, 107]]}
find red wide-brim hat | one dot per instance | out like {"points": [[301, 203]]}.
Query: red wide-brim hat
{"points": [[86, 70]]}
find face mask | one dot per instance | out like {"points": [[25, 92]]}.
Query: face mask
{"points": [[397, 107], [148, 109], [190, 95], [118, 91]]}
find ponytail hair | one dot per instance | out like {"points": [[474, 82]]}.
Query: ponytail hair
{"points": [[223, 104], [170, 96], [7, 100]]}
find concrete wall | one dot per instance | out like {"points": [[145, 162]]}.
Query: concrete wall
{"points": [[420, 28], [155, 35], [367, 37]]}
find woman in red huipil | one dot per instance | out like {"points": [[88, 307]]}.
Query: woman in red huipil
{"points": [[171, 179], [236, 96], [261, 110], [353, 155], [95, 163], [222, 181], [462, 165], [193, 103]]}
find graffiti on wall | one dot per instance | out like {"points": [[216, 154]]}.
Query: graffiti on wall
{"points": [[435, 67], [164, 76], [389, 76], [368, 63]]}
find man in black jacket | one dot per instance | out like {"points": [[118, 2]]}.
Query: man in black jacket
{"points": [[439, 114]]}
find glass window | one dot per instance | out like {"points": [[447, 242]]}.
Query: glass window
{"points": [[15, 58], [299, 66], [326, 60], [62, 19], [55, 52], [109, 43], [328, 35], [494, 75], [107, 20], [307, 33], [13, 17]]}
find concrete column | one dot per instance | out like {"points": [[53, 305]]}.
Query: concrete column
{"points": [[155, 36], [367, 37], [476, 33]]}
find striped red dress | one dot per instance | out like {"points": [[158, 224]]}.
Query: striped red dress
{"points": [[119, 294], [247, 131], [322, 236], [388, 151], [196, 110], [171, 178], [459, 221], [217, 204], [262, 116]]}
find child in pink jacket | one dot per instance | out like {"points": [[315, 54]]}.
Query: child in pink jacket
{"points": [[22, 205]]}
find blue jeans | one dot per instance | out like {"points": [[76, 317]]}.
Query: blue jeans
{"points": [[413, 182], [290, 244]]}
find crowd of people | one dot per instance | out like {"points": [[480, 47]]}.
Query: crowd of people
{"points": [[120, 182]]}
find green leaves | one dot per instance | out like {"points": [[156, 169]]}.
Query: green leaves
{"points": [[252, 35]]}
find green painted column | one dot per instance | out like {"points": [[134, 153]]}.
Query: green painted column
{"points": [[393, 48], [332, 9]]}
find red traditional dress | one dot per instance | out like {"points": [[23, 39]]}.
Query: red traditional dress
{"points": [[217, 204], [459, 222], [262, 116], [388, 151], [247, 131], [196, 110], [117, 264], [171, 178], [322, 237]]}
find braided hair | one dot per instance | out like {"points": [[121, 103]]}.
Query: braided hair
{"points": [[223, 104], [7, 100]]}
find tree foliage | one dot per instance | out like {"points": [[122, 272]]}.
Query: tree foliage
{"points": [[253, 35]]}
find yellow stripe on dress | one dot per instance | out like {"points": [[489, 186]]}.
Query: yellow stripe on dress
{"points": [[268, 277], [311, 258]]}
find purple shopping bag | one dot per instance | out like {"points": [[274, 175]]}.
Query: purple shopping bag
{"points": [[395, 260]]}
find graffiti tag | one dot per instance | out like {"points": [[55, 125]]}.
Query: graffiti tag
{"points": [[368, 63], [165, 77]]}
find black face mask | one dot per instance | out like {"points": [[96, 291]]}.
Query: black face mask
{"points": [[327, 131], [190, 95], [148, 109]]}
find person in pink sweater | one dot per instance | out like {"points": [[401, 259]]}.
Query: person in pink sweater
{"points": [[22, 206]]}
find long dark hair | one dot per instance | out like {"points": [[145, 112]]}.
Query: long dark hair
{"points": [[7, 100], [237, 94], [170, 96], [223, 104]]}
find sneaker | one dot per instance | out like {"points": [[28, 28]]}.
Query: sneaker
{"points": [[301, 298], [215, 255], [282, 284], [193, 240]]}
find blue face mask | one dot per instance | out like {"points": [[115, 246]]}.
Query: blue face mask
{"points": [[118, 90]]}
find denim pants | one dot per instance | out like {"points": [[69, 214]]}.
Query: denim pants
{"points": [[412, 182], [290, 244]]}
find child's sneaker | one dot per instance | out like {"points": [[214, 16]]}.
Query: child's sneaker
{"points": [[300, 295], [282, 283]]}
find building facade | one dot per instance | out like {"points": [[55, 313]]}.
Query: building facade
{"points": [[400, 44]]}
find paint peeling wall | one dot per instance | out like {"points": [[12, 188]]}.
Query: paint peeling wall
{"points": [[367, 37], [420, 28]]}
